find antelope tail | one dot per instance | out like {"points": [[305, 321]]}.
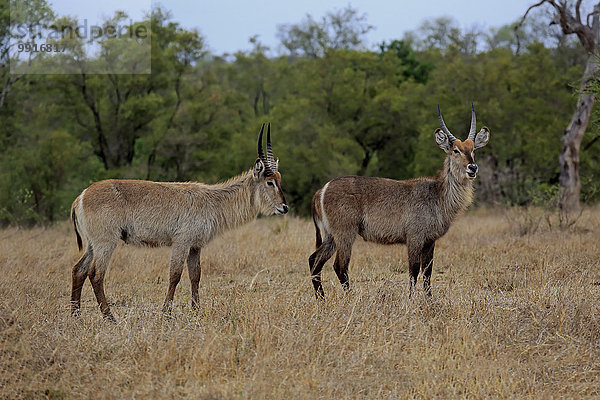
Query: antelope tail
{"points": [[74, 220]]}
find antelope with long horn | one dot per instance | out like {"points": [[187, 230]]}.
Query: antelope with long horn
{"points": [[415, 212], [185, 216]]}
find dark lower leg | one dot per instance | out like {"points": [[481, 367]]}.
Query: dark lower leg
{"points": [[173, 281], [194, 270], [80, 271], [97, 278], [414, 274], [340, 266], [414, 266], [316, 262], [177, 259], [427, 257], [315, 272]]}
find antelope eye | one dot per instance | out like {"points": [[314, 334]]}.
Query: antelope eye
{"points": [[270, 183], [456, 151]]}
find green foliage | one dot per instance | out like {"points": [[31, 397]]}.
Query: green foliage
{"points": [[413, 68], [38, 182], [336, 109]]}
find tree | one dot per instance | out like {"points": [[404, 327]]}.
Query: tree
{"points": [[570, 21], [114, 111], [413, 68], [175, 52], [35, 14], [339, 29], [443, 33]]}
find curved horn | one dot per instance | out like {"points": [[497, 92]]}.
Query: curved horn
{"points": [[443, 126], [270, 158], [261, 154], [473, 129]]}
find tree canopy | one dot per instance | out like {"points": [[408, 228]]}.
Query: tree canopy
{"points": [[337, 107]]}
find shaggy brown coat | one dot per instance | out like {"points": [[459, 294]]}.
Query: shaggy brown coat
{"points": [[185, 216], [414, 212]]}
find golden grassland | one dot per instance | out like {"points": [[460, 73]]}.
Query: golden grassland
{"points": [[512, 315]]}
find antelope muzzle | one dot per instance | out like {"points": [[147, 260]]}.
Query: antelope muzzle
{"points": [[472, 171]]}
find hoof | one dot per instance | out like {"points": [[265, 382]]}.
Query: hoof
{"points": [[109, 317]]}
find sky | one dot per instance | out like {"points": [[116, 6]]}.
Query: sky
{"points": [[228, 24]]}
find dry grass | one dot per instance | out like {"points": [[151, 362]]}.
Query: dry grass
{"points": [[511, 316]]}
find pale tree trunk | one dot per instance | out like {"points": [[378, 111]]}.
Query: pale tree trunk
{"points": [[10, 80], [571, 21], [570, 185]]}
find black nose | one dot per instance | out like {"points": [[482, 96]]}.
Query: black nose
{"points": [[472, 167], [285, 208]]}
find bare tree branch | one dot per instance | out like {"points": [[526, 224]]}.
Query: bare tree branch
{"points": [[520, 24], [594, 140], [570, 24], [587, 20]]}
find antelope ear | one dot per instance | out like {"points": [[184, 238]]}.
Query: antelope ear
{"points": [[482, 137], [277, 165], [442, 140], [259, 169]]}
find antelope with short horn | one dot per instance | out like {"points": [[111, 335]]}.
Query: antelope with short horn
{"points": [[185, 216], [415, 212]]}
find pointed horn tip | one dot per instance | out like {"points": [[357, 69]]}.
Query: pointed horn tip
{"points": [[260, 133], [260, 149], [269, 149]]}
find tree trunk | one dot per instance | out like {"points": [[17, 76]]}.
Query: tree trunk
{"points": [[570, 185], [365, 162], [10, 80]]}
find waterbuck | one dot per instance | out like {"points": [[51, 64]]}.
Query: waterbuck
{"points": [[415, 212], [185, 216]]}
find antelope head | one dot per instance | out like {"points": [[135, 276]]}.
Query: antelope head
{"points": [[269, 195], [458, 152]]}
